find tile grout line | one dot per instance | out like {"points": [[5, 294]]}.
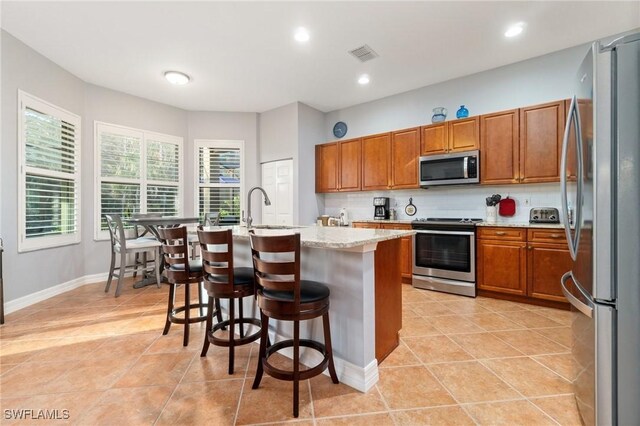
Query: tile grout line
{"points": [[244, 381]]}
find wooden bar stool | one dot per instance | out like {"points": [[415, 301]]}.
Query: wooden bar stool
{"points": [[282, 295], [223, 281], [179, 270]]}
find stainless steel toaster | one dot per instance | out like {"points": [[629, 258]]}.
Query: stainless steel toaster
{"points": [[544, 215]]}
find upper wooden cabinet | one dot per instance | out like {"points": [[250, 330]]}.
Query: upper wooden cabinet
{"points": [[376, 162], [338, 166], [350, 160], [541, 133], [405, 151], [450, 136], [499, 147]]}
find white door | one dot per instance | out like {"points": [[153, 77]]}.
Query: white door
{"points": [[277, 180]]}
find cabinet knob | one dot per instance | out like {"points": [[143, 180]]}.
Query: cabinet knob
{"points": [[530, 247]]}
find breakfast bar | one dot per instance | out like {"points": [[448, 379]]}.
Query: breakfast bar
{"points": [[362, 269]]}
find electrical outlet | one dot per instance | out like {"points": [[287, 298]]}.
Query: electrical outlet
{"points": [[527, 202]]}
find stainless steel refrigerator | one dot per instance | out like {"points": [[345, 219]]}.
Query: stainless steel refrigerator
{"points": [[602, 143]]}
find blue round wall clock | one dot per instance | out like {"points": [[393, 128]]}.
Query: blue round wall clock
{"points": [[340, 129]]}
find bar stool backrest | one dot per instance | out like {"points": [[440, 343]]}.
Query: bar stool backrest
{"points": [[216, 248], [175, 253], [271, 272], [116, 231]]}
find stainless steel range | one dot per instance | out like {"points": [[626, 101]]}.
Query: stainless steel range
{"points": [[444, 255]]}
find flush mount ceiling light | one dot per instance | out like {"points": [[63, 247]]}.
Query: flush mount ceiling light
{"points": [[363, 79], [176, 77], [301, 35], [514, 30]]}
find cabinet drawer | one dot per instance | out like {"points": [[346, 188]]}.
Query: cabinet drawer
{"points": [[396, 226], [503, 234], [365, 225], [546, 235]]}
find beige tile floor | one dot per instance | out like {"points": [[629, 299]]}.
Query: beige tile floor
{"points": [[460, 361]]}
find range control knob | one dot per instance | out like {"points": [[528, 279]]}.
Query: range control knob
{"points": [[552, 217], [536, 217]]}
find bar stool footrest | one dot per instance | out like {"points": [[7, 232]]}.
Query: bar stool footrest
{"points": [[303, 374], [236, 342], [174, 319]]}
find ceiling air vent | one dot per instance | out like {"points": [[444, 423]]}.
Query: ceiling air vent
{"points": [[364, 53]]}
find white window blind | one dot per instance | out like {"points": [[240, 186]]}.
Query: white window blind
{"points": [[219, 179], [140, 172], [49, 195]]}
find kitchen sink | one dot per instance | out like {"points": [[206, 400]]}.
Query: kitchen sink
{"points": [[275, 227]]}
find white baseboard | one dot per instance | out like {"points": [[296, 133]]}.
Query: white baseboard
{"points": [[39, 296]]}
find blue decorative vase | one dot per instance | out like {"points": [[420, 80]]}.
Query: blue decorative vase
{"points": [[439, 114], [462, 112]]}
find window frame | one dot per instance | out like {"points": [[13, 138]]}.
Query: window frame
{"points": [[216, 143], [145, 135], [26, 100]]}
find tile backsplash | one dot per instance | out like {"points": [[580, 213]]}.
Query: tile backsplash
{"points": [[447, 201]]}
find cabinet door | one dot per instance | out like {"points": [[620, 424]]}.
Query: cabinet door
{"points": [[546, 263], [406, 250], [541, 132], [327, 167], [350, 156], [434, 139], [405, 150], [501, 266], [376, 162], [499, 147], [464, 134]]}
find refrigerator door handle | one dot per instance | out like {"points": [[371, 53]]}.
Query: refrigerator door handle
{"points": [[585, 308], [563, 178]]}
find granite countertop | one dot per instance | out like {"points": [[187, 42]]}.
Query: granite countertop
{"points": [[400, 221], [522, 225], [332, 237]]}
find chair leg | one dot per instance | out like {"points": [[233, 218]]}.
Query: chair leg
{"points": [[136, 262], [187, 313], [328, 348], [264, 336], [219, 313], [232, 329], [156, 264], [200, 299], [205, 345], [241, 317], [296, 368], [111, 270], [167, 325], [121, 272]]}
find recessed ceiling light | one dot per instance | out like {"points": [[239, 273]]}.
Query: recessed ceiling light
{"points": [[301, 35], [514, 30], [176, 77], [364, 79]]}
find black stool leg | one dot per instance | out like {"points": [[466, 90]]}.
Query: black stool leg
{"points": [[167, 325], [219, 312], [187, 313], [264, 336], [200, 299], [241, 317], [232, 330], [328, 348], [205, 346], [296, 368]]}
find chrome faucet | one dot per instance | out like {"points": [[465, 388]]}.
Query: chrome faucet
{"points": [[267, 202]]}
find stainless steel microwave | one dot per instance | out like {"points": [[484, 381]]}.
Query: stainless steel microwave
{"points": [[450, 169]]}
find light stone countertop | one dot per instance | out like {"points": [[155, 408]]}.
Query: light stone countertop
{"points": [[397, 221], [331, 237], [522, 225]]}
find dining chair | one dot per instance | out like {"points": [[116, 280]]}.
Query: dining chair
{"points": [[120, 245]]}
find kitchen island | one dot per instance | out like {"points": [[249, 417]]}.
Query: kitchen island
{"points": [[362, 269]]}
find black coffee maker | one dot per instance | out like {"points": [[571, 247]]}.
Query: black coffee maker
{"points": [[381, 208]]}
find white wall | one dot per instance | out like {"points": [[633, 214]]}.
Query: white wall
{"points": [[530, 82], [310, 133], [23, 68], [278, 131]]}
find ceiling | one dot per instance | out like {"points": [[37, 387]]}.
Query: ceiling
{"points": [[242, 55]]}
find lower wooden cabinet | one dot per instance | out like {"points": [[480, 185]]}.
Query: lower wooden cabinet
{"points": [[524, 263], [406, 245]]}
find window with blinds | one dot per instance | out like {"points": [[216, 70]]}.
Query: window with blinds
{"points": [[140, 172], [49, 196], [220, 169]]}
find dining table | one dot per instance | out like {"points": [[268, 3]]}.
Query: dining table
{"points": [[151, 224]]}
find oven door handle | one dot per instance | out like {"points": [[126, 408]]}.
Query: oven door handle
{"points": [[470, 233]]}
